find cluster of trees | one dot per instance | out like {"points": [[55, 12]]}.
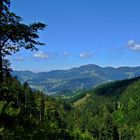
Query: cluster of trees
{"points": [[31, 115], [111, 112], [25, 114]]}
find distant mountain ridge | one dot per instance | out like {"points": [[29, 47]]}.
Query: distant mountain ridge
{"points": [[72, 80]]}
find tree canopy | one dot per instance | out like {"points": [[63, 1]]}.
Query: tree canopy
{"points": [[14, 34]]}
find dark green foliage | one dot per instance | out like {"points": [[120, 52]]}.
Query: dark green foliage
{"points": [[114, 88], [28, 115], [111, 111], [14, 34]]}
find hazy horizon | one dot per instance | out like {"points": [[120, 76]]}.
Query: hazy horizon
{"points": [[74, 67]]}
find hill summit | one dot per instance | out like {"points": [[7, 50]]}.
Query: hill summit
{"points": [[75, 79]]}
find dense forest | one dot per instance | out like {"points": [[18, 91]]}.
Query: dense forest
{"points": [[108, 112]]}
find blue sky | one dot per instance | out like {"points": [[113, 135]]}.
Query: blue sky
{"points": [[102, 32]]}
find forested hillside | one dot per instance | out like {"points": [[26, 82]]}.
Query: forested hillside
{"points": [[110, 111], [26, 115]]}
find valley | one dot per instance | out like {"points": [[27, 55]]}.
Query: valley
{"points": [[75, 79]]}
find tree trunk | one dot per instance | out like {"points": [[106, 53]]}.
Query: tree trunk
{"points": [[40, 115], [119, 135], [1, 7], [99, 135], [1, 72], [1, 69]]}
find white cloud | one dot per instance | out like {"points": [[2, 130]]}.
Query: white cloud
{"points": [[41, 55], [86, 54], [18, 58], [65, 54], [133, 45]]}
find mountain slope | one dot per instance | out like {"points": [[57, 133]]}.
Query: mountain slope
{"points": [[75, 79], [110, 111], [112, 89]]}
